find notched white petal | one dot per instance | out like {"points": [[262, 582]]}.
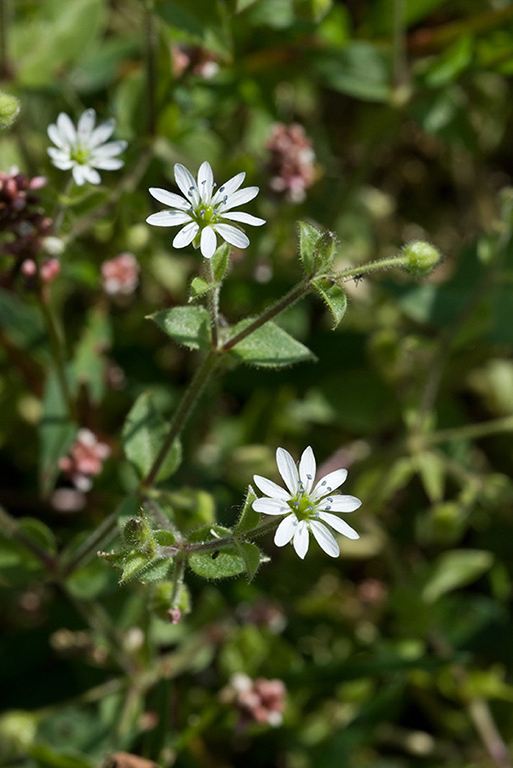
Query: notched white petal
{"points": [[324, 538], [168, 219], [271, 506], [339, 525], [208, 243], [340, 503], [226, 189], [286, 530], [307, 469], [329, 483], [232, 235], [169, 198], [300, 540], [186, 235], [287, 470], [270, 488], [239, 198], [244, 218]]}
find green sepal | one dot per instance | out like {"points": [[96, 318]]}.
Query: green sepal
{"points": [[219, 262], [252, 557], [316, 248], [164, 537], [334, 297], [133, 564], [188, 326], [143, 434], [215, 564], [138, 535], [249, 518], [199, 287], [269, 346]]}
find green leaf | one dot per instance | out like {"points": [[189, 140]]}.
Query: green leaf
{"points": [[56, 433], [143, 434], [39, 533], [215, 564], [164, 538], [90, 364], [199, 287], [189, 326], [335, 299], [317, 248], [248, 517], [269, 346], [455, 569], [252, 558], [219, 262], [140, 566], [432, 473], [360, 69]]}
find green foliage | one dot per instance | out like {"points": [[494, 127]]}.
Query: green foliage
{"points": [[335, 299], [268, 346], [143, 433], [215, 564], [9, 109], [188, 326]]}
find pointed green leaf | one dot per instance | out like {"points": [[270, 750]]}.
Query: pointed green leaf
{"points": [[134, 564], [252, 558], [308, 237], [90, 364], [143, 434], [456, 569], [219, 262], [199, 287], [56, 433], [269, 346], [335, 299], [248, 517], [215, 564], [432, 472], [189, 326]]}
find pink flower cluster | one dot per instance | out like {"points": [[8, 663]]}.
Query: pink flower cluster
{"points": [[24, 223], [292, 162], [257, 701], [120, 275], [193, 58], [85, 459]]}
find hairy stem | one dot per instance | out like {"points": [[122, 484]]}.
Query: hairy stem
{"points": [[57, 346]]}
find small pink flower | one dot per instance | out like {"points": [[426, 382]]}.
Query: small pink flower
{"points": [[85, 459], [49, 270], [258, 701], [292, 163], [120, 274]]}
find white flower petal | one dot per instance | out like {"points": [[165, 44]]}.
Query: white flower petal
{"points": [[169, 198], [102, 133], [239, 198], [270, 489], [307, 469], [300, 540], [186, 235], [244, 218], [90, 175], [286, 530], [106, 163], [55, 136], [205, 182], [232, 235], [186, 183], [66, 129], [325, 538], [230, 186], [339, 503], [288, 470], [110, 149], [60, 159], [271, 506], [208, 242], [339, 525], [168, 219], [79, 174], [329, 483], [85, 126]]}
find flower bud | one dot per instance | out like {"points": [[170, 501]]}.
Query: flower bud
{"points": [[420, 258], [9, 109]]}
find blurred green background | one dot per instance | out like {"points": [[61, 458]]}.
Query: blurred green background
{"points": [[398, 653]]}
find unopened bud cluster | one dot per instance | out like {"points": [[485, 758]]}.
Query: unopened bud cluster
{"points": [[292, 162], [24, 226], [257, 701]]}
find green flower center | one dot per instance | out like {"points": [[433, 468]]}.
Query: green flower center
{"points": [[302, 507], [80, 155], [204, 213]]}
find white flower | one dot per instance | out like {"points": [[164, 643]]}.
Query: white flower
{"points": [[204, 211], [306, 508], [83, 149]]}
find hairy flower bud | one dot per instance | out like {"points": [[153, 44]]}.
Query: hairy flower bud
{"points": [[420, 258]]}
